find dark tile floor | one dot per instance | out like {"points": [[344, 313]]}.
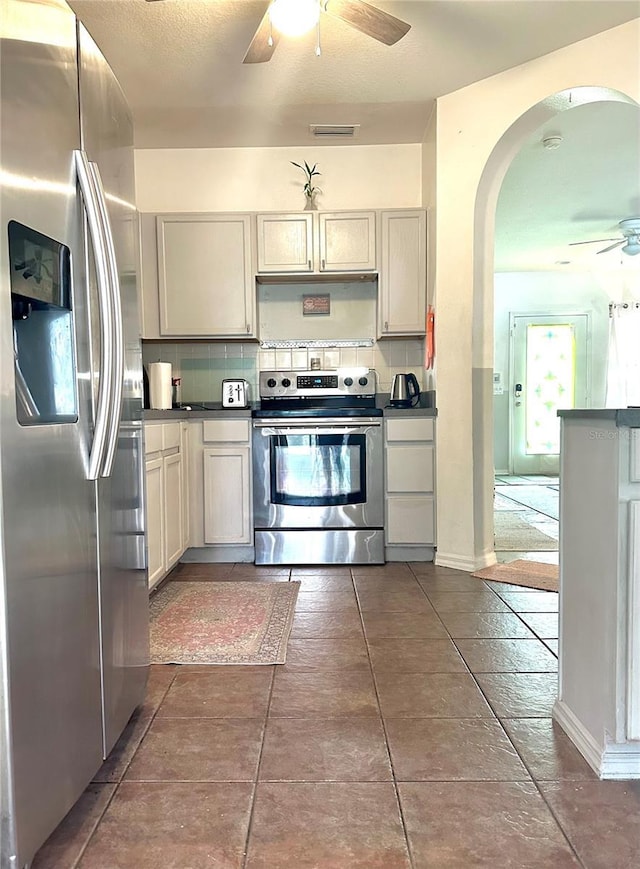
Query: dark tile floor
{"points": [[410, 727]]}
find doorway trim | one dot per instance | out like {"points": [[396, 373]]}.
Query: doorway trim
{"points": [[486, 199]]}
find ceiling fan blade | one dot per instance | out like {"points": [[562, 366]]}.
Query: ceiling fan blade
{"points": [[259, 50], [593, 241], [367, 19], [611, 246]]}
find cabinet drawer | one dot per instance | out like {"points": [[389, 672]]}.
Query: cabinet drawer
{"points": [[634, 456], [152, 438], [236, 430], [410, 520], [410, 468], [410, 429]]}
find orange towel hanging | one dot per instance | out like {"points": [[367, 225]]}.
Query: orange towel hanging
{"points": [[430, 349]]}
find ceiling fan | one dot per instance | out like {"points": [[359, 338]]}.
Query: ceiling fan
{"points": [[630, 229], [362, 16]]}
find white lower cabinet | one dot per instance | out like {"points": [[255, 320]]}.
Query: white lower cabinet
{"points": [[165, 497], [221, 507], [184, 449], [173, 535], [227, 513], [410, 483], [155, 519]]}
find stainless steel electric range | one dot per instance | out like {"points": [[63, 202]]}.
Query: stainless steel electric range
{"points": [[318, 468]]}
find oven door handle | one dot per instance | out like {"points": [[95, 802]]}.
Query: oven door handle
{"points": [[293, 425], [312, 430]]}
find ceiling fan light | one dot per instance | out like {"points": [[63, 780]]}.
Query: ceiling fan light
{"points": [[632, 247], [294, 17]]}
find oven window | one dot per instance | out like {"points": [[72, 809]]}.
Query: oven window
{"points": [[318, 470]]}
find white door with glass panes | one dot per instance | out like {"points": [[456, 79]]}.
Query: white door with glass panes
{"points": [[549, 372]]}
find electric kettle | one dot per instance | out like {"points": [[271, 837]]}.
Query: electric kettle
{"points": [[405, 391]]}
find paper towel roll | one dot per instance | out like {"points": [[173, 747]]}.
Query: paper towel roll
{"points": [[160, 385]]}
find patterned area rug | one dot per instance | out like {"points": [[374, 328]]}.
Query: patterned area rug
{"points": [[533, 574], [512, 533], [222, 622]]}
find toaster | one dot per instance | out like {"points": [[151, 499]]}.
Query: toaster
{"points": [[235, 393]]}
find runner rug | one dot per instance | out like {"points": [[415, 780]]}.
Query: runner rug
{"points": [[532, 574], [222, 622], [513, 533]]}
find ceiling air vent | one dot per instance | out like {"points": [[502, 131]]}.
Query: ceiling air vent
{"points": [[340, 131]]}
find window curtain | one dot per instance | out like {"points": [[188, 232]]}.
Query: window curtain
{"points": [[623, 368]]}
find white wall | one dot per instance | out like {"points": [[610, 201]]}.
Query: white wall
{"points": [[546, 293], [263, 179], [483, 124]]}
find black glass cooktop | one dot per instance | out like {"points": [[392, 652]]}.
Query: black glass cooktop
{"points": [[317, 407]]}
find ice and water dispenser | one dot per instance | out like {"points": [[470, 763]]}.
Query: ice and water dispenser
{"points": [[42, 328]]}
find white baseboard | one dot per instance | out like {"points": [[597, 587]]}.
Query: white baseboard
{"points": [[621, 761], [613, 760], [588, 747], [458, 562]]}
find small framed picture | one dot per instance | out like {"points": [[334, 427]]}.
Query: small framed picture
{"points": [[317, 304]]}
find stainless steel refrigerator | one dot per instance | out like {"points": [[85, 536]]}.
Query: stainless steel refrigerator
{"points": [[73, 585]]}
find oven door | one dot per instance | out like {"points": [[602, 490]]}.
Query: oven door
{"points": [[324, 474]]}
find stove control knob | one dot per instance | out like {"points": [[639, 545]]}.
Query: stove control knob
{"points": [[348, 381], [286, 382], [271, 383], [363, 381]]}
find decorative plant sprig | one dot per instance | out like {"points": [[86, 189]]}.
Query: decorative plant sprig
{"points": [[310, 171]]}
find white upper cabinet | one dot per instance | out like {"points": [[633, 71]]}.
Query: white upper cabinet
{"points": [[347, 241], [285, 242], [205, 275], [402, 282], [315, 242]]}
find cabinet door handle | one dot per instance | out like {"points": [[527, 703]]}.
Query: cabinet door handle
{"points": [[323, 264], [386, 326], [248, 327], [309, 264]]}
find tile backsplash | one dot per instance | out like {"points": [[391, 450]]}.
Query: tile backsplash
{"points": [[202, 366]]}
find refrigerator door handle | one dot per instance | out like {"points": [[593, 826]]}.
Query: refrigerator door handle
{"points": [[92, 210], [117, 371]]}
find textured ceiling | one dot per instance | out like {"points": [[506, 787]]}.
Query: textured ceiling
{"points": [[577, 192], [180, 65]]}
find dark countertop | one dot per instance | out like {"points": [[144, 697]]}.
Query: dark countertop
{"points": [[409, 411], [208, 409], [425, 407], [196, 411], [628, 417]]}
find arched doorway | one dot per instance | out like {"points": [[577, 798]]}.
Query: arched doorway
{"points": [[489, 187], [476, 132]]}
